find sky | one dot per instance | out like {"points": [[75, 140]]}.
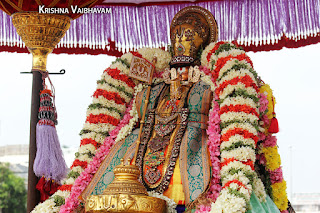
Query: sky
{"points": [[293, 74]]}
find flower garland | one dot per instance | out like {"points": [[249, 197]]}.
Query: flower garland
{"points": [[108, 110], [171, 205], [114, 92], [233, 128], [214, 138], [268, 152], [130, 119], [84, 179], [237, 94]]}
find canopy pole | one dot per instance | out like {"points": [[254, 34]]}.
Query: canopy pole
{"points": [[33, 194], [41, 33]]}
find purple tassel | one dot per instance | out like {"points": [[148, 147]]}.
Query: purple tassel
{"points": [[49, 161]]}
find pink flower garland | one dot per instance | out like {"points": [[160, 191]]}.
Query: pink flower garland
{"points": [[270, 141], [263, 102], [265, 122], [207, 71], [203, 209], [276, 176], [214, 136], [84, 179]]}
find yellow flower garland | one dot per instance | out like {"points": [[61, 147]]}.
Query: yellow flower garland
{"points": [[280, 195], [265, 89], [272, 157], [271, 154]]}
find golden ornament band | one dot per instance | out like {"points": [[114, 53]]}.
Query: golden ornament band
{"points": [[125, 203]]}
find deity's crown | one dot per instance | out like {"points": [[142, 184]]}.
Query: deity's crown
{"points": [[191, 28]]}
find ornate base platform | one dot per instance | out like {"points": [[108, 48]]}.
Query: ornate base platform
{"points": [[125, 194], [124, 203]]}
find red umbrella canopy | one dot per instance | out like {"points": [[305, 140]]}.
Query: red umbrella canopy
{"points": [[13, 6]]}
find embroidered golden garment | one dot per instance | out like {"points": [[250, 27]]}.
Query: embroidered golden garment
{"points": [[193, 171], [194, 164], [160, 146]]}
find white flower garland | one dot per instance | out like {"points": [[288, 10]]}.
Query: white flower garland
{"points": [[98, 127], [241, 154], [234, 139], [87, 148], [241, 116], [103, 111], [105, 102], [112, 89], [238, 73], [205, 52], [237, 152], [207, 79], [49, 206], [171, 205], [238, 101], [127, 129], [245, 126], [120, 66], [259, 189], [163, 57]]}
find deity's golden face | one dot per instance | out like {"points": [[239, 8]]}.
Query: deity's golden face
{"points": [[189, 33], [187, 41]]}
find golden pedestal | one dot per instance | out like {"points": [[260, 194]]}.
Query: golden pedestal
{"points": [[125, 194], [41, 33]]}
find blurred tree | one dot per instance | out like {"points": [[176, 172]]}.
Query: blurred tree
{"points": [[13, 193]]}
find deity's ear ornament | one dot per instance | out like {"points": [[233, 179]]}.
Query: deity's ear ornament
{"points": [[191, 28]]}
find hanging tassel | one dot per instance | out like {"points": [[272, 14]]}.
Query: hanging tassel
{"points": [[274, 126], [49, 163]]}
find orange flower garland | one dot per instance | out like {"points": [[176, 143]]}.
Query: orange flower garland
{"points": [[223, 60], [109, 96], [238, 131], [115, 74]]}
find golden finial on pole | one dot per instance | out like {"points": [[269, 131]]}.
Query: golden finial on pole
{"points": [[41, 33]]}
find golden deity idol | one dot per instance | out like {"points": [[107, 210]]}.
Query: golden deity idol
{"points": [[172, 116]]}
